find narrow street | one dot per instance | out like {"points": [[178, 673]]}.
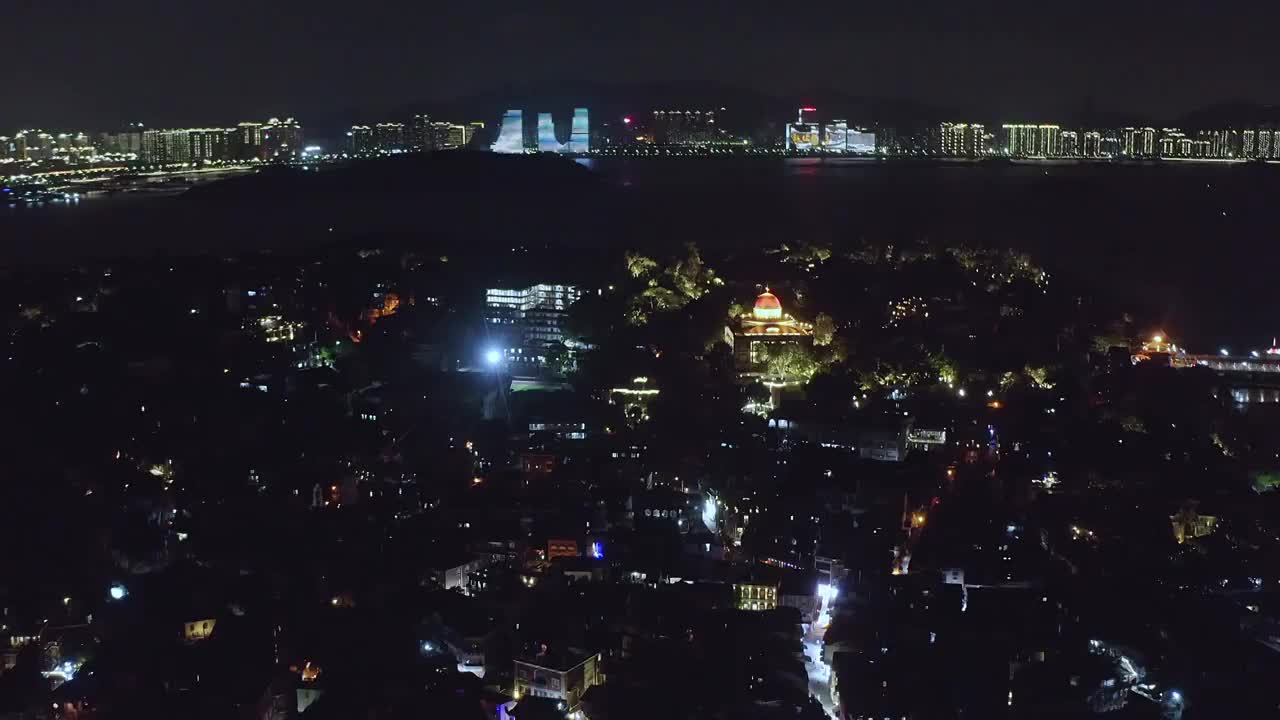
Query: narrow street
{"points": [[818, 670]]}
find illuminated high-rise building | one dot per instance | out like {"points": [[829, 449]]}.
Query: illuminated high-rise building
{"points": [[1033, 141], [388, 136], [442, 136], [860, 142], [1140, 142], [128, 142], [803, 136], [459, 135], [20, 146], [685, 127], [517, 136], [165, 147], [1175, 144], [1070, 144], [246, 141], [462, 134], [1112, 143], [209, 144], [450, 136], [547, 134], [420, 133], [580, 132], [360, 140], [961, 139], [1223, 144], [1020, 140], [1091, 144], [39, 145], [511, 134], [835, 136], [282, 139]]}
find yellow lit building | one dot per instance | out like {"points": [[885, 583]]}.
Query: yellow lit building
{"points": [[1188, 524], [756, 596], [198, 629]]}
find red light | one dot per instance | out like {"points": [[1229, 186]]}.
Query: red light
{"points": [[808, 109], [627, 120]]}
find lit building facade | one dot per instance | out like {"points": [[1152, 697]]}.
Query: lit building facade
{"points": [[756, 596], [389, 136], [247, 141], [420, 137], [515, 137], [764, 330], [282, 139], [1091, 145], [1260, 144], [580, 131], [1140, 142], [685, 127], [529, 322], [127, 142], [1223, 144], [1176, 144], [164, 147], [444, 136], [1033, 141], [510, 134], [209, 144], [803, 136], [557, 676], [360, 139], [547, 134], [962, 139], [1070, 143]]}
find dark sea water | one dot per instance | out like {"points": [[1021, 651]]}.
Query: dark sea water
{"points": [[1193, 244]]}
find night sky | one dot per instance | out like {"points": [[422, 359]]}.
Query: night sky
{"points": [[94, 64]]}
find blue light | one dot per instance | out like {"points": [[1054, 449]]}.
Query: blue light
{"points": [[597, 551], [118, 592], [493, 357]]}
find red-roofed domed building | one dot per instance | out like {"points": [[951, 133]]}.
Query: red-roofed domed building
{"points": [[764, 328]]}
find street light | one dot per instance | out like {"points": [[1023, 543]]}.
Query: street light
{"points": [[117, 592], [493, 357]]}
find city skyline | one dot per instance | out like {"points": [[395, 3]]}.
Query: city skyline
{"points": [[318, 61], [669, 360]]}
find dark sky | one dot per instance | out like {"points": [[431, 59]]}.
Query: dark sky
{"points": [[96, 63]]}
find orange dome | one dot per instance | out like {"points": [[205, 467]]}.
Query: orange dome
{"points": [[767, 307], [768, 301]]}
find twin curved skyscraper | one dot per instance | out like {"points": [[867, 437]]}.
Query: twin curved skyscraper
{"points": [[512, 139]]}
